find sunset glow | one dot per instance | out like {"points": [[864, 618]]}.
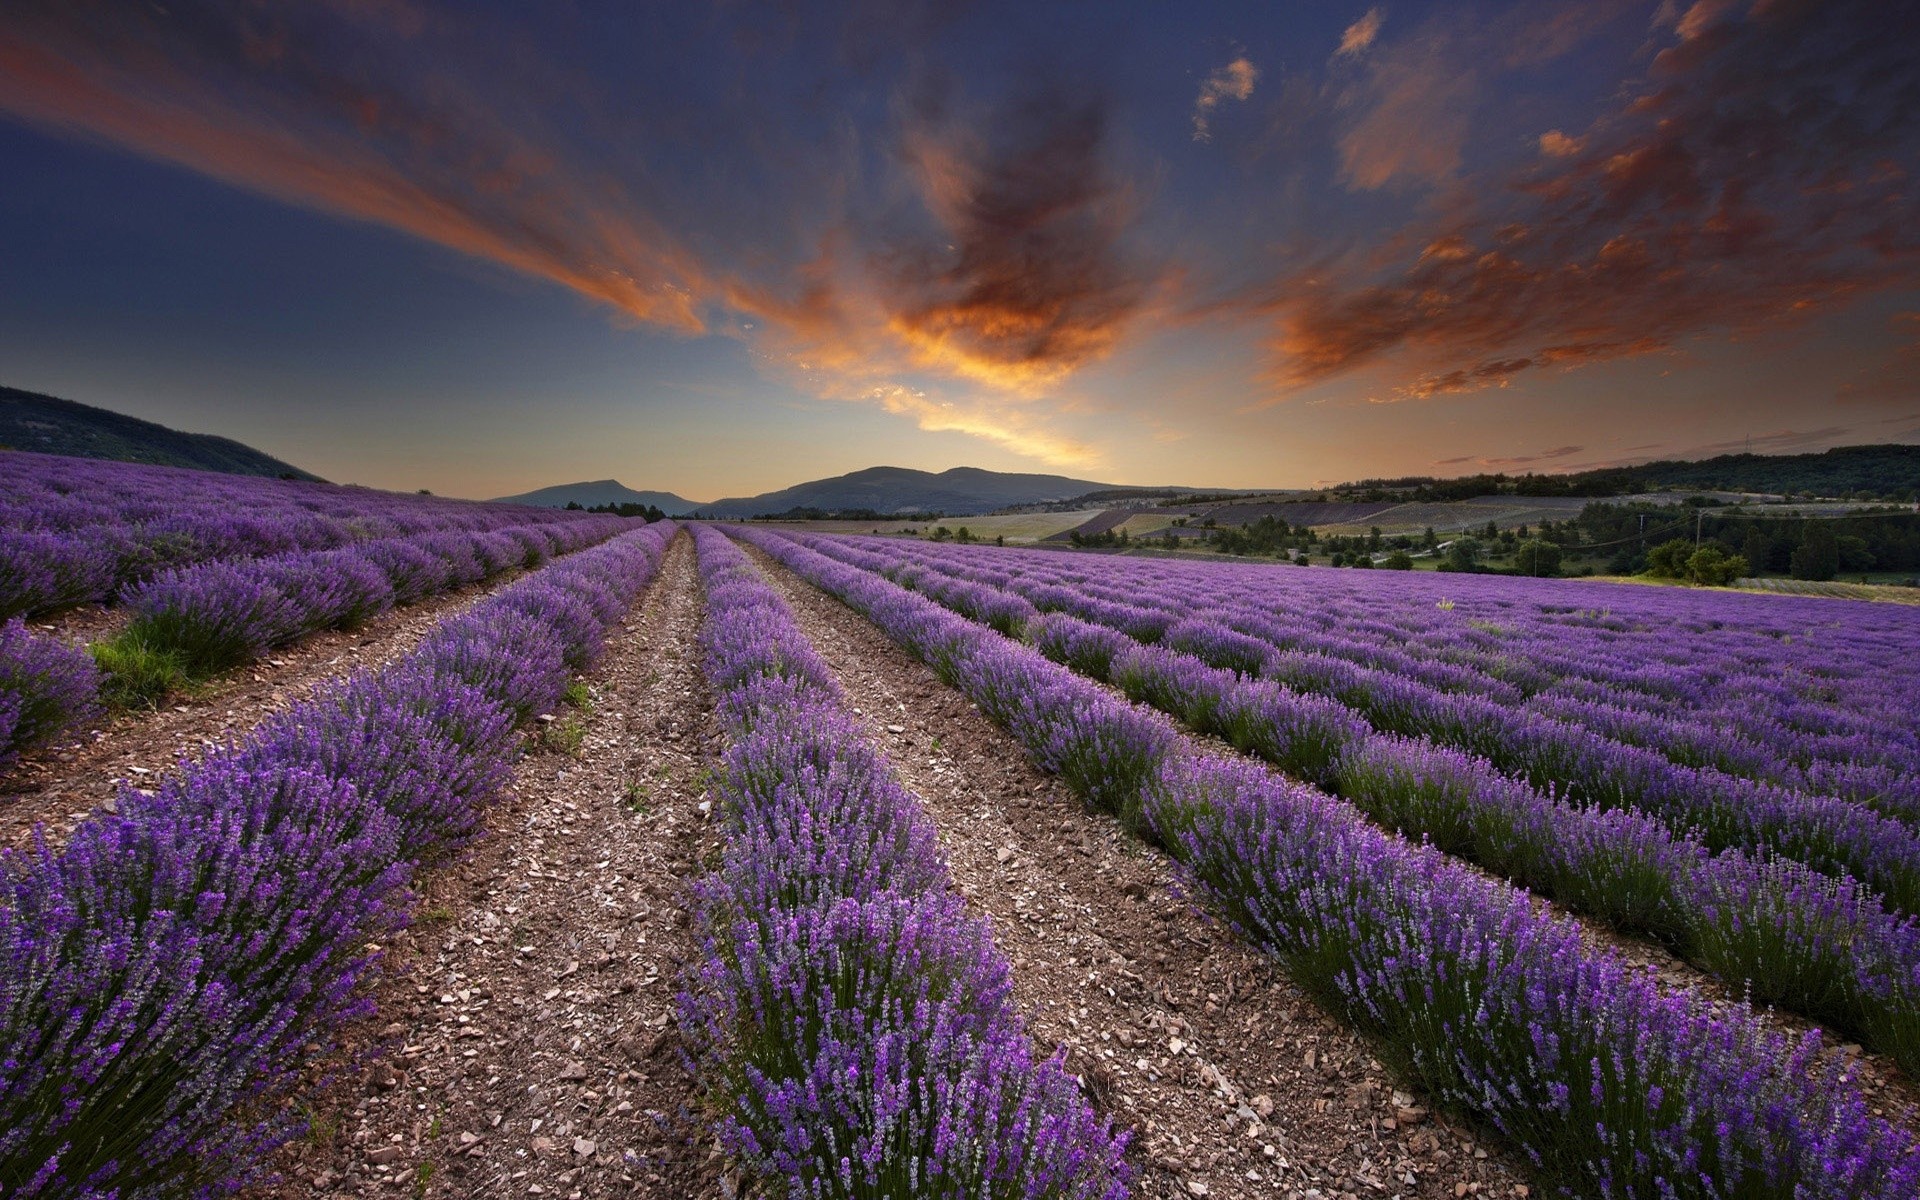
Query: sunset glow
{"points": [[1388, 239]]}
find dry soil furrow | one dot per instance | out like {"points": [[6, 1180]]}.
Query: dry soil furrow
{"points": [[1236, 1084], [60, 785], [524, 1045]]}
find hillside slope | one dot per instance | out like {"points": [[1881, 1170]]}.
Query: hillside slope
{"points": [[49, 425], [597, 492]]}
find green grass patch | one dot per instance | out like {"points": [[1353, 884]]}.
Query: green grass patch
{"points": [[136, 673]]}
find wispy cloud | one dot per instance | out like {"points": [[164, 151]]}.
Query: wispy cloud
{"points": [[1232, 82], [1409, 115], [1002, 274], [1361, 34], [1754, 178], [1515, 460], [239, 102]]}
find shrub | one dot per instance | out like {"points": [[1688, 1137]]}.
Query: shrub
{"points": [[46, 687], [1713, 567]]}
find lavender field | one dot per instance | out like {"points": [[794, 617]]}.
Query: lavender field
{"points": [[732, 861]]}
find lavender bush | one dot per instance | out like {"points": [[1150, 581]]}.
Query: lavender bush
{"points": [[853, 1022], [1613, 1085], [172, 970], [75, 531], [1850, 961], [46, 688]]}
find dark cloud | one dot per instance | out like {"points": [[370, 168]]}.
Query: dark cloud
{"points": [[1894, 379], [1777, 441], [1761, 172], [299, 103], [1023, 273], [1517, 460], [709, 205]]}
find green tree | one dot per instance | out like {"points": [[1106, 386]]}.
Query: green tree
{"points": [[1535, 557], [1817, 556], [1462, 554], [1757, 549], [1854, 553], [1399, 560], [1669, 559], [1714, 567]]}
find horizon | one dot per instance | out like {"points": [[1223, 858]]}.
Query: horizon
{"points": [[484, 251]]}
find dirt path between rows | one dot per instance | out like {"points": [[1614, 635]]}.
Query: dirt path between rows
{"points": [[524, 1044], [1236, 1083], [59, 785]]}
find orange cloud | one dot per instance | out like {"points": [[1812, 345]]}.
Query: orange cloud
{"points": [[331, 144], [1360, 34], [1555, 144], [1022, 280], [1743, 185], [1013, 282], [1410, 116], [1232, 82]]}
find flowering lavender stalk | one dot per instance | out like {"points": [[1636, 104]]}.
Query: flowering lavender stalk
{"points": [[854, 1023], [76, 531], [171, 971], [1606, 1081], [1613, 1086], [46, 688], [1846, 958]]}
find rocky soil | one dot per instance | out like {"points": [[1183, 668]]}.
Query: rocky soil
{"points": [[56, 786], [525, 1044], [1235, 1083]]}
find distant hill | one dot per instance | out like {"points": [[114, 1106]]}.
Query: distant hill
{"points": [[49, 425], [1881, 471], [598, 492], [958, 492]]}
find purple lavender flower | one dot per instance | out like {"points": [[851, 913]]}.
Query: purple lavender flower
{"points": [[46, 688]]}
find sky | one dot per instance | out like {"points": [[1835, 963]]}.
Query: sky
{"points": [[722, 247]]}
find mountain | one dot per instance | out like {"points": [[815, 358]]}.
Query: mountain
{"points": [[1887, 471], [48, 425], [958, 492], [1882, 470], [600, 491]]}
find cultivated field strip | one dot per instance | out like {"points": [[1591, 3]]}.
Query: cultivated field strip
{"points": [[1604, 700], [1228, 1076], [853, 1022], [1822, 947], [177, 969], [529, 1007], [77, 531], [1589, 1067], [191, 623], [60, 784]]}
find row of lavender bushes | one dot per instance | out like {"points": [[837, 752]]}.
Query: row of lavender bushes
{"points": [[854, 1024], [1611, 1086], [172, 974], [46, 688], [1778, 694], [1820, 944], [77, 531], [1585, 765], [217, 615], [192, 622]]}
